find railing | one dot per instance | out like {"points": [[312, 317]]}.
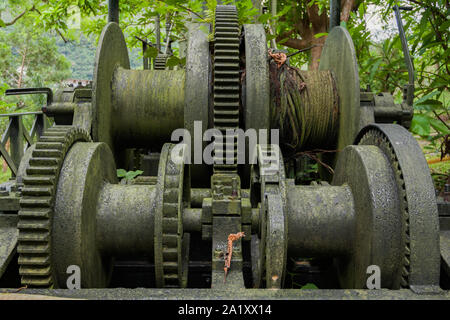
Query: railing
{"points": [[19, 138]]}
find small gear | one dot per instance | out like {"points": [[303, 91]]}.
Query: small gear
{"points": [[37, 203], [268, 178], [170, 268]]}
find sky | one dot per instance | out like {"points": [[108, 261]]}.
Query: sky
{"points": [[378, 29]]}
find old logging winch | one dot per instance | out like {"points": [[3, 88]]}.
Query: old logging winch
{"points": [[373, 205]]}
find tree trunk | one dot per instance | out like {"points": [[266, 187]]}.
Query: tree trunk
{"points": [[24, 57], [312, 24]]}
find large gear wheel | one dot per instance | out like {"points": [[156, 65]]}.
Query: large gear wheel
{"points": [[170, 241], [226, 84], [377, 138], [37, 204], [417, 203]]}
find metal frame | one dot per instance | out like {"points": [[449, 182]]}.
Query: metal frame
{"points": [[20, 139]]}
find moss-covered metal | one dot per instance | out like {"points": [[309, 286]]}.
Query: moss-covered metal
{"points": [[380, 208], [147, 106]]}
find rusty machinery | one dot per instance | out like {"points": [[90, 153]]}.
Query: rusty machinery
{"points": [[378, 208]]}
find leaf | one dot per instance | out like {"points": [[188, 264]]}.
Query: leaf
{"points": [[420, 125], [439, 126], [121, 173], [133, 174], [426, 97], [271, 37], [2, 24], [151, 52], [173, 61], [374, 69], [309, 286], [318, 35], [430, 104], [264, 18]]}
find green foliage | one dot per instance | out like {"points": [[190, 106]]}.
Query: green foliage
{"points": [[128, 175], [309, 286], [383, 69], [380, 60]]}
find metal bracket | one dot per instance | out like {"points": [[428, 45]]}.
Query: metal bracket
{"points": [[16, 92]]}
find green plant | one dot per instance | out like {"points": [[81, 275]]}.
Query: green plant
{"points": [[309, 286], [128, 175]]}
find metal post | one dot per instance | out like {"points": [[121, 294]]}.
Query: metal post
{"points": [[16, 140], [158, 32], [145, 59], [41, 124], [113, 11], [408, 61], [335, 13]]}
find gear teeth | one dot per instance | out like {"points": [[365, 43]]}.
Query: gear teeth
{"points": [[35, 202], [48, 145], [226, 85], [35, 213], [47, 153], [171, 228], [29, 272], [35, 170], [37, 191], [34, 248], [160, 62], [377, 138], [34, 224], [41, 180], [33, 236], [36, 205]]}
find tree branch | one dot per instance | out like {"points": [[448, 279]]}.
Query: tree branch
{"points": [[426, 6], [437, 116], [17, 18], [346, 8], [298, 44], [57, 30]]}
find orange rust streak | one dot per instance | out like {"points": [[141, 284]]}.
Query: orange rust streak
{"points": [[232, 237]]}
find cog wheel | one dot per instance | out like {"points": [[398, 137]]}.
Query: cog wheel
{"points": [[170, 264], [377, 138], [268, 180], [226, 85], [37, 203]]}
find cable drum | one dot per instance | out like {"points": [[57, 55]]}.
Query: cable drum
{"points": [[304, 107]]}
